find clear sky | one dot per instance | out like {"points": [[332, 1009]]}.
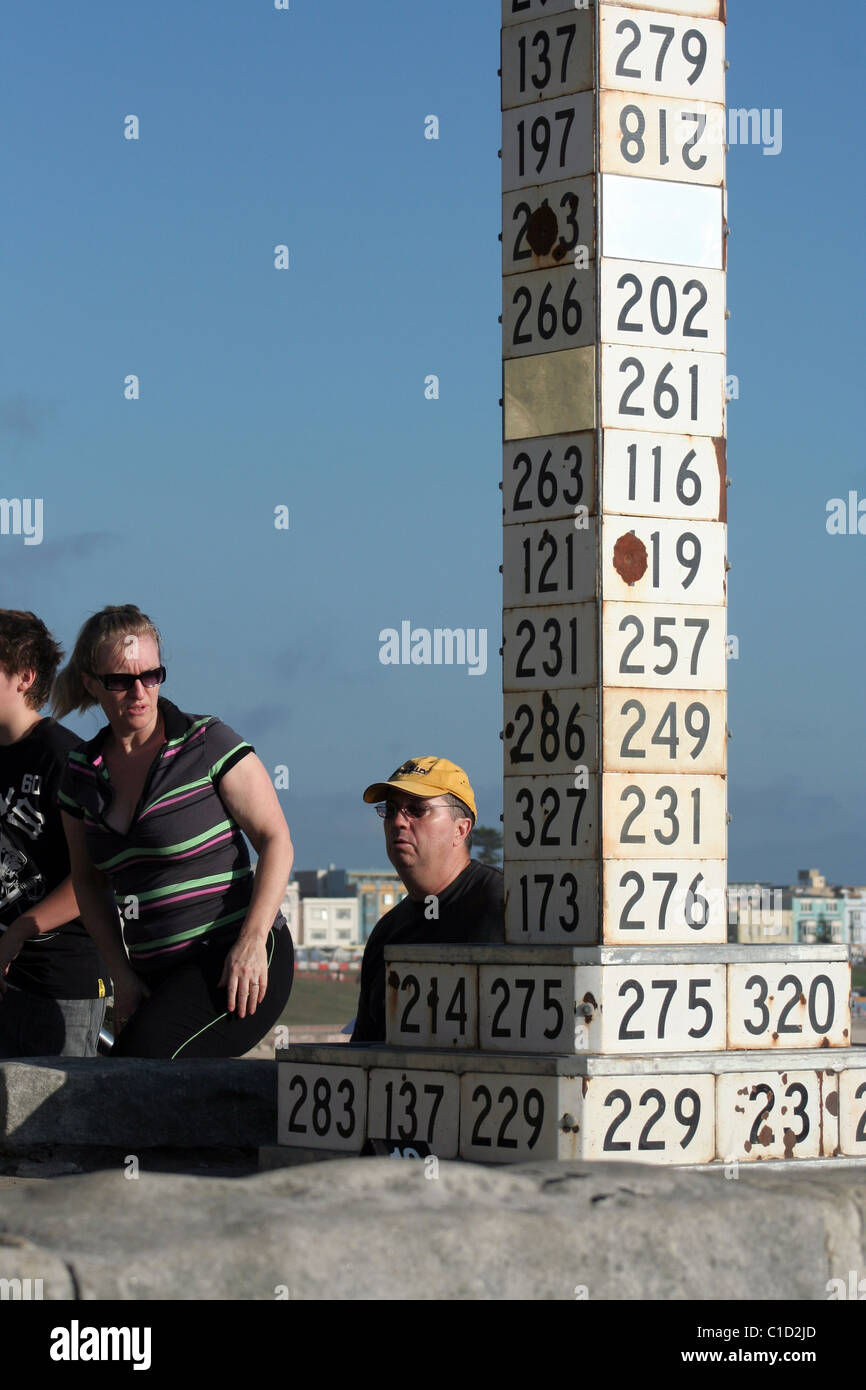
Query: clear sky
{"points": [[305, 387]]}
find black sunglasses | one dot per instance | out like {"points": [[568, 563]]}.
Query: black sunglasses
{"points": [[124, 680]]}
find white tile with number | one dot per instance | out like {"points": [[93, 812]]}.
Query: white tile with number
{"points": [[658, 475], [549, 225], [647, 1119], [789, 1005], [659, 902], [548, 478], [659, 560], [648, 814], [550, 731], [511, 1118], [415, 1107], [672, 307], [548, 141], [667, 646], [550, 648], [431, 1005], [773, 1114], [548, 311], [321, 1106], [551, 817], [551, 902], [654, 1009], [666, 138], [547, 57], [549, 562], [665, 731], [523, 1009], [667, 55], [663, 391]]}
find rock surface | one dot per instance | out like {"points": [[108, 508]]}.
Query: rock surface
{"points": [[383, 1229]]}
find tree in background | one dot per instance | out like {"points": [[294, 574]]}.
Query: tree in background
{"points": [[487, 845]]}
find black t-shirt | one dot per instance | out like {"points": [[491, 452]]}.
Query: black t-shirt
{"points": [[34, 860], [471, 910]]}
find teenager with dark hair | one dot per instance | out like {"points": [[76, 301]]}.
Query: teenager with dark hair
{"points": [[52, 981]]}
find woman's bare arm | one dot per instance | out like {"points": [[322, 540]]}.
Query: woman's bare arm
{"points": [[248, 794]]}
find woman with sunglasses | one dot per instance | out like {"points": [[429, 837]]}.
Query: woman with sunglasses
{"points": [[155, 810]]}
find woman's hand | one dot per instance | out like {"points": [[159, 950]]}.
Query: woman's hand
{"points": [[245, 976], [129, 991]]}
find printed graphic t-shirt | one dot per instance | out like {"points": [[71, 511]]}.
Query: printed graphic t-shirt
{"points": [[182, 873], [471, 910], [34, 860]]}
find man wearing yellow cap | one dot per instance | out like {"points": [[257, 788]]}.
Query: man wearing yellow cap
{"points": [[428, 808]]}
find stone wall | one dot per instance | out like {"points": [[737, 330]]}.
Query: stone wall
{"points": [[383, 1228]]}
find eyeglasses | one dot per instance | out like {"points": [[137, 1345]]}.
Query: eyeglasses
{"points": [[124, 680], [387, 810]]}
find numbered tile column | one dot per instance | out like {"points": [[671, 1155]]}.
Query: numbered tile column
{"points": [[661, 290], [551, 537]]}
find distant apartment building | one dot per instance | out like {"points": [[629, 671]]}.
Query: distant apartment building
{"points": [[329, 922], [812, 883], [817, 910], [376, 891], [854, 900], [809, 912], [757, 914], [818, 921], [323, 883]]}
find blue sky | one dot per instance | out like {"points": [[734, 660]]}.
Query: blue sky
{"points": [[306, 387]]}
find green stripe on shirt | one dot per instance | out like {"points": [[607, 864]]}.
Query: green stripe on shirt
{"points": [[222, 761], [173, 888], [186, 935], [145, 852]]}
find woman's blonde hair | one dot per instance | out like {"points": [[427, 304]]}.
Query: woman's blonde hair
{"points": [[117, 626]]}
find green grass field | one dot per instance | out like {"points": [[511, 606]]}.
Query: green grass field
{"points": [[316, 1000]]}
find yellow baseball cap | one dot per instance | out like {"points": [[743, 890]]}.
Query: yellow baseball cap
{"points": [[426, 777]]}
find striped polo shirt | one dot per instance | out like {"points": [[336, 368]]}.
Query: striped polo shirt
{"points": [[182, 873]]}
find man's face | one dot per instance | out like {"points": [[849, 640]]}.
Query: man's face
{"points": [[424, 846]]}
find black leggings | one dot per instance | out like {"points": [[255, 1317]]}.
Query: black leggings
{"points": [[185, 1014]]}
